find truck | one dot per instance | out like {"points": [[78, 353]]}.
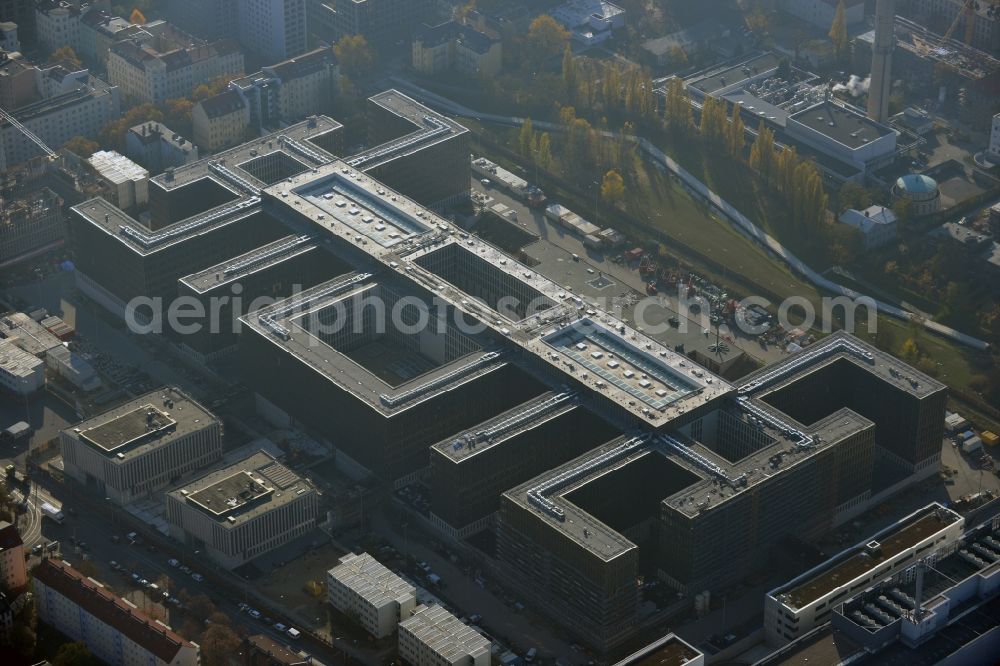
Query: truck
{"points": [[52, 513]]}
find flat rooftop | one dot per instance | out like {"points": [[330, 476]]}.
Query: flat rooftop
{"points": [[249, 263], [729, 75], [245, 490], [148, 422], [294, 141], [511, 423], [886, 367], [430, 127], [856, 562], [667, 651], [371, 580], [845, 126]]}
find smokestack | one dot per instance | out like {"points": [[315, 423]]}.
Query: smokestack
{"points": [[881, 76]]}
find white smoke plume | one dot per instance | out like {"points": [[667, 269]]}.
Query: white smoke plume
{"points": [[855, 86]]}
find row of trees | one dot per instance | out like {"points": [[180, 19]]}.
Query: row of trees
{"points": [[609, 85], [798, 181]]}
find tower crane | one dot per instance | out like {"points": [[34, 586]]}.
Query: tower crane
{"points": [[4, 116], [968, 10]]}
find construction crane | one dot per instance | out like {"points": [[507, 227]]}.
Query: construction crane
{"points": [[4, 116], [968, 10]]}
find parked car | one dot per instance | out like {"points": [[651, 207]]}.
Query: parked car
{"points": [[280, 627], [197, 577], [254, 613], [172, 562]]}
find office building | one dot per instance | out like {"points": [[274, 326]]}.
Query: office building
{"points": [[13, 570], [170, 66], [820, 13], [434, 637], [807, 601], [289, 91], [22, 13], [359, 586], [220, 121], [453, 46], [21, 374], [142, 446], [113, 629], [876, 224], [208, 19], [273, 29], [670, 649], [127, 183], [381, 22], [993, 150], [34, 223], [590, 21], [18, 85], [243, 511], [81, 108], [156, 147], [469, 470]]}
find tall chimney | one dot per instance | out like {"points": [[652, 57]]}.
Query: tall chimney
{"points": [[881, 76]]}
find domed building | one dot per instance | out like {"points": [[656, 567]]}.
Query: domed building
{"points": [[921, 190]]}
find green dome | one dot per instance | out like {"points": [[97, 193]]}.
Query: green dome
{"points": [[915, 183]]}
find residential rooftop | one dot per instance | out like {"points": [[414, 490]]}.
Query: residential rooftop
{"points": [[147, 422], [446, 635], [369, 579], [245, 490]]}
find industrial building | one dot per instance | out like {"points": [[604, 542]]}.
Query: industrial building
{"points": [[434, 637], [807, 601], [243, 511], [21, 374], [142, 446], [113, 629], [360, 586]]}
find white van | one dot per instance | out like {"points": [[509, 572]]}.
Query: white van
{"points": [[294, 633]]}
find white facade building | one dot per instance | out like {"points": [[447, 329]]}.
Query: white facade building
{"points": [[114, 630], [993, 152], [127, 182], [379, 599], [275, 29], [844, 133], [877, 225], [242, 511], [434, 637], [590, 21], [143, 445], [57, 24], [807, 601], [20, 372]]}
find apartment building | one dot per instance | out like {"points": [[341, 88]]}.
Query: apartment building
{"points": [[453, 46], [57, 23], [114, 629], [170, 66], [242, 511], [434, 637], [157, 147], [142, 446], [220, 122], [360, 586], [19, 12], [31, 223], [273, 29], [13, 572], [290, 90], [209, 19], [380, 21]]}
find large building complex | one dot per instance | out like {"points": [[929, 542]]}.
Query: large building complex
{"points": [[360, 586], [244, 510], [142, 446], [113, 629], [598, 456], [434, 637]]}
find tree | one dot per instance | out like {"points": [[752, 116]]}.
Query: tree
{"points": [[177, 114], [909, 351], [137, 17], [75, 654], [737, 134], [677, 107], [65, 54], [612, 187], [852, 195], [544, 156], [546, 39], [526, 139], [82, 146], [762, 153], [569, 73], [218, 644], [355, 56], [838, 31]]}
